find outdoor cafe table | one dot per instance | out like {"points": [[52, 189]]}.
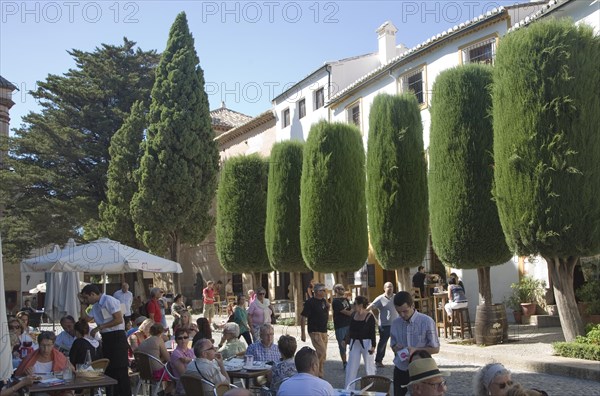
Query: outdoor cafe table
{"points": [[75, 384], [358, 392], [247, 375]]}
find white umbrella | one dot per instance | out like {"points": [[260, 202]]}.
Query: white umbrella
{"points": [[103, 256], [5, 347], [41, 288]]}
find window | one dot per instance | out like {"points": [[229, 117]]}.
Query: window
{"points": [[319, 98], [481, 52], [354, 114], [414, 82], [285, 118], [301, 108]]}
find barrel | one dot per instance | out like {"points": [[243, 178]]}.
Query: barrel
{"points": [[491, 325]]}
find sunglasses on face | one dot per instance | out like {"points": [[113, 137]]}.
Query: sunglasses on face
{"points": [[503, 384], [182, 338]]}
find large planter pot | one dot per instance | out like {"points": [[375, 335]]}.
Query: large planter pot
{"points": [[518, 316], [528, 308], [491, 325]]}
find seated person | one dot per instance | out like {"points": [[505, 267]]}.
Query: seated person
{"points": [[230, 344], [207, 365], [204, 331], [307, 364], [15, 329], [135, 324], [83, 343], [45, 360], [456, 297], [65, 338], [425, 378], [181, 356], [155, 346], [24, 319], [140, 335], [285, 368], [27, 307], [264, 350], [185, 323]]}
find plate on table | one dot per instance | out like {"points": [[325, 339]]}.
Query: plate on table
{"points": [[258, 366], [229, 367]]}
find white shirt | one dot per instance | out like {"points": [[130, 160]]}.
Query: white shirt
{"points": [[103, 310], [387, 310], [305, 384], [64, 341], [126, 299]]}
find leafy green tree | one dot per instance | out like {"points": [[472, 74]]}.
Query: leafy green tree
{"points": [[282, 231], [546, 145], [465, 228], [241, 214], [125, 153], [333, 218], [177, 177], [397, 184], [58, 163]]}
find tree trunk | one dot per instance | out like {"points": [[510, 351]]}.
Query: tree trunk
{"points": [[175, 257], [298, 296], [403, 278], [485, 289], [561, 273]]}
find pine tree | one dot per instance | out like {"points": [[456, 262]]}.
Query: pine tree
{"points": [[546, 146], [177, 174], [397, 184], [241, 214], [125, 152], [333, 213]]}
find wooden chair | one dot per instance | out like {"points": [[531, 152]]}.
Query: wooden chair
{"points": [[145, 371], [423, 304], [379, 383]]}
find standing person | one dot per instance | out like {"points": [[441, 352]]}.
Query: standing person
{"points": [[228, 289], [163, 304], [126, 298], [259, 313], [310, 290], [456, 297], [208, 295], [316, 310], [106, 312], [240, 316], [177, 307], [387, 314], [153, 307], [342, 312], [361, 338], [412, 330], [418, 279]]}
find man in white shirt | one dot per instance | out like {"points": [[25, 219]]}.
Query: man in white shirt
{"points": [[208, 365], [65, 339], [106, 312], [387, 313], [126, 298], [306, 382]]}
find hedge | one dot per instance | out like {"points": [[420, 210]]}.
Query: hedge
{"points": [[577, 350]]}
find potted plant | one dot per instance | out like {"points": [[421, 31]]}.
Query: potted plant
{"points": [[514, 303], [589, 294], [529, 292]]}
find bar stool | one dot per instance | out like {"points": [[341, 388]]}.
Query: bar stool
{"points": [[461, 322]]}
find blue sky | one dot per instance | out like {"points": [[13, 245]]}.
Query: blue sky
{"points": [[249, 50]]}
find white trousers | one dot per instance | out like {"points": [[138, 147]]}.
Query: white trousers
{"points": [[356, 351], [455, 305]]}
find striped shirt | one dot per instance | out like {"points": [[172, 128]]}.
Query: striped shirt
{"points": [[418, 332]]}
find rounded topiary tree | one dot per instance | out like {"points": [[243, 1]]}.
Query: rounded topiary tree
{"points": [[465, 229], [333, 216], [241, 214], [282, 231], [397, 184], [546, 144]]}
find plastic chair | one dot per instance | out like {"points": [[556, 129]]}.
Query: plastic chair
{"points": [[380, 383], [145, 371]]}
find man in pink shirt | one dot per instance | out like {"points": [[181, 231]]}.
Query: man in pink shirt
{"points": [[208, 295]]}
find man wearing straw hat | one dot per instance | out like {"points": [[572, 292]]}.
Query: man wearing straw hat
{"points": [[426, 378]]}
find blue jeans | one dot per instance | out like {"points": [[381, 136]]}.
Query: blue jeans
{"points": [[384, 336], [340, 335]]}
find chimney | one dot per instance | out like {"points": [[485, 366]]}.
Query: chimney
{"points": [[386, 36]]}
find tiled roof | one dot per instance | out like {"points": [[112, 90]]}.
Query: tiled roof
{"points": [[545, 10], [224, 119], [240, 130], [4, 83], [416, 49]]}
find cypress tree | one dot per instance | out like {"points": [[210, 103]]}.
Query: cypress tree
{"points": [[177, 175], [546, 145], [241, 214], [125, 152], [333, 219], [397, 184], [282, 231], [465, 228]]}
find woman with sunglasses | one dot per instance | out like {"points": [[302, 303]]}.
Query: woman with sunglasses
{"points": [[181, 356], [493, 379], [259, 313]]}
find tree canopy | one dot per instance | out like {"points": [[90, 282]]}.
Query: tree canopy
{"points": [[57, 169], [178, 171], [333, 218], [397, 182], [282, 231], [241, 214]]}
